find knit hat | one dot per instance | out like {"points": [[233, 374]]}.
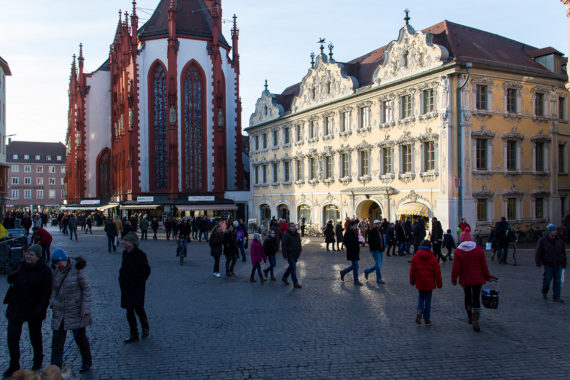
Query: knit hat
{"points": [[551, 227], [376, 221], [58, 255], [236, 223], [132, 237], [256, 235], [36, 249], [466, 236]]}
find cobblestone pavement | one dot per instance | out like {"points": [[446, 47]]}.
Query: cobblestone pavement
{"points": [[204, 327]]}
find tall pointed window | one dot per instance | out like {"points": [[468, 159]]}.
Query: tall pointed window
{"points": [[159, 119], [193, 146]]}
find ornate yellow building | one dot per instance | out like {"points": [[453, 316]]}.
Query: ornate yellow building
{"points": [[449, 122]]}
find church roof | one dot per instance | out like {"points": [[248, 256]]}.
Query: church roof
{"points": [[464, 44], [193, 19]]}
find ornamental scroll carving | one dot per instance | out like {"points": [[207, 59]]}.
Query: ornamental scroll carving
{"points": [[325, 81], [412, 52], [266, 109]]}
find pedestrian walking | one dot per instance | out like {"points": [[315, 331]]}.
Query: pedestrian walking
{"points": [[270, 247], [329, 235], [71, 307], [240, 238], [133, 274], [400, 237], [551, 254], [352, 252], [44, 239], [418, 233], [257, 255], [470, 267], [154, 226], [216, 243], [436, 238], [302, 223], [168, 227], [449, 244], [390, 240], [291, 249], [73, 221], [376, 246], [231, 250], [338, 234], [502, 238], [111, 232], [425, 274], [143, 225], [28, 300]]}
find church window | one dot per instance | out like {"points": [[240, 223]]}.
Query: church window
{"points": [[158, 129], [192, 119]]}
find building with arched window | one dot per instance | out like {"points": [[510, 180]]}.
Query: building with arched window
{"points": [[450, 121], [159, 122]]}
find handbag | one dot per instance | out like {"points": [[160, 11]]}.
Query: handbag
{"points": [[488, 246], [490, 297], [8, 295]]}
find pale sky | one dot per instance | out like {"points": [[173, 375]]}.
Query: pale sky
{"points": [[38, 39]]}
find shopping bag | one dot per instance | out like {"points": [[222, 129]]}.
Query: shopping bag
{"points": [[488, 246], [490, 297], [116, 240]]}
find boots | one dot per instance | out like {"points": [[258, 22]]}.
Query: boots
{"points": [[273, 278], [469, 314], [476, 312], [252, 279]]}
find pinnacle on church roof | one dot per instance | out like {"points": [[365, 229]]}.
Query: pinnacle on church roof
{"points": [[407, 18]]}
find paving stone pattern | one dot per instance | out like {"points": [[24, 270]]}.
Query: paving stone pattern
{"points": [[216, 328]]}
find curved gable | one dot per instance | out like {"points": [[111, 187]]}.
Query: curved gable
{"points": [[266, 109]]}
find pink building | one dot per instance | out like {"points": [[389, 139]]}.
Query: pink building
{"points": [[36, 175]]}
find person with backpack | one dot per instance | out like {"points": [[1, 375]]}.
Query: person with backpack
{"points": [[376, 246], [425, 274]]}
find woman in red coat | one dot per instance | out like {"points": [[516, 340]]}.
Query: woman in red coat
{"points": [[257, 255], [425, 275], [470, 266]]}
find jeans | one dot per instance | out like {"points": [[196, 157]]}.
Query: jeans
{"points": [[46, 252], [111, 243], [407, 247], [437, 251], [230, 263], [154, 237], [272, 262], [354, 268], [401, 248], [144, 234], [377, 255], [552, 272], [168, 232], [58, 342], [133, 321], [472, 296], [241, 249], [205, 234], [71, 232], [291, 269], [424, 303], [216, 264], [14, 333], [258, 268], [502, 252]]}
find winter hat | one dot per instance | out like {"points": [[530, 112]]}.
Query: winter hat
{"points": [[466, 236], [551, 227], [58, 255], [376, 221], [256, 235], [236, 223], [132, 237], [36, 249]]}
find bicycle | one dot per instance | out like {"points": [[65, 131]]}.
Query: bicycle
{"points": [[181, 249]]}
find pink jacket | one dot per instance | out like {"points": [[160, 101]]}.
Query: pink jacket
{"points": [[257, 253]]}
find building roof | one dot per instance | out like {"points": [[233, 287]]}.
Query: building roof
{"points": [[464, 44], [193, 19], [34, 148], [5, 67]]}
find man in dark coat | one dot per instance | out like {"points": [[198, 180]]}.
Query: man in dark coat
{"points": [[418, 233], [111, 231], [502, 238], [132, 278], [291, 249], [32, 284], [376, 245], [436, 238], [551, 253], [352, 252]]}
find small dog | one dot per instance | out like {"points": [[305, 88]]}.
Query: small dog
{"points": [[52, 372]]}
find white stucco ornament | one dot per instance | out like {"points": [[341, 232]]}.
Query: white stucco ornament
{"points": [[326, 81], [411, 53], [266, 109]]}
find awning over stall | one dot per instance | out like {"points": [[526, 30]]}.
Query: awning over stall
{"points": [[414, 208], [231, 207], [106, 207], [139, 207]]}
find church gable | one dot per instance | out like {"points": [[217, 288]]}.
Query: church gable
{"points": [[326, 81], [266, 108], [411, 53]]}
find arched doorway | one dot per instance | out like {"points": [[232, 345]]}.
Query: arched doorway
{"points": [[369, 209], [304, 211], [331, 212], [104, 175], [264, 213], [283, 212]]}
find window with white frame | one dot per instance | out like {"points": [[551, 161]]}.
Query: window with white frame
{"points": [[512, 155], [15, 180], [405, 106], [27, 180], [51, 181], [63, 170], [386, 156], [51, 194], [26, 156], [327, 128], [51, 169], [344, 165], [59, 158], [27, 168], [481, 99], [328, 167], [62, 193], [312, 168], [48, 157], [275, 134], [39, 169], [539, 208], [14, 156], [62, 181], [256, 143], [264, 174], [512, 100], [481, 152], [539, 106], [512, 208], [406, 158], [287, 171], [298, 133], [428, 104], [344, 121], [482, 214], [38, 157], [299, 169], [27, 194], [364, 163], [364, 117], [15, 168], [15, 194], [312, 129], [256, 174], [286, 135], [39, 194], [562, 165], [385, 111], [275, 172], [429, 155], [39, 180], [562, 107], [264, 141], [539, 156]]}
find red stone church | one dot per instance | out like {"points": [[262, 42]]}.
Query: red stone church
{"points": [[160, 120]]}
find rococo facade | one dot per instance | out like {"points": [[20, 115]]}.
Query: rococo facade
{"points": [[448, 122]]}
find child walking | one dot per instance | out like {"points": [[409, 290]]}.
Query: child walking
{"points": [[257, 255], [425, 274], [449, 244]]}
